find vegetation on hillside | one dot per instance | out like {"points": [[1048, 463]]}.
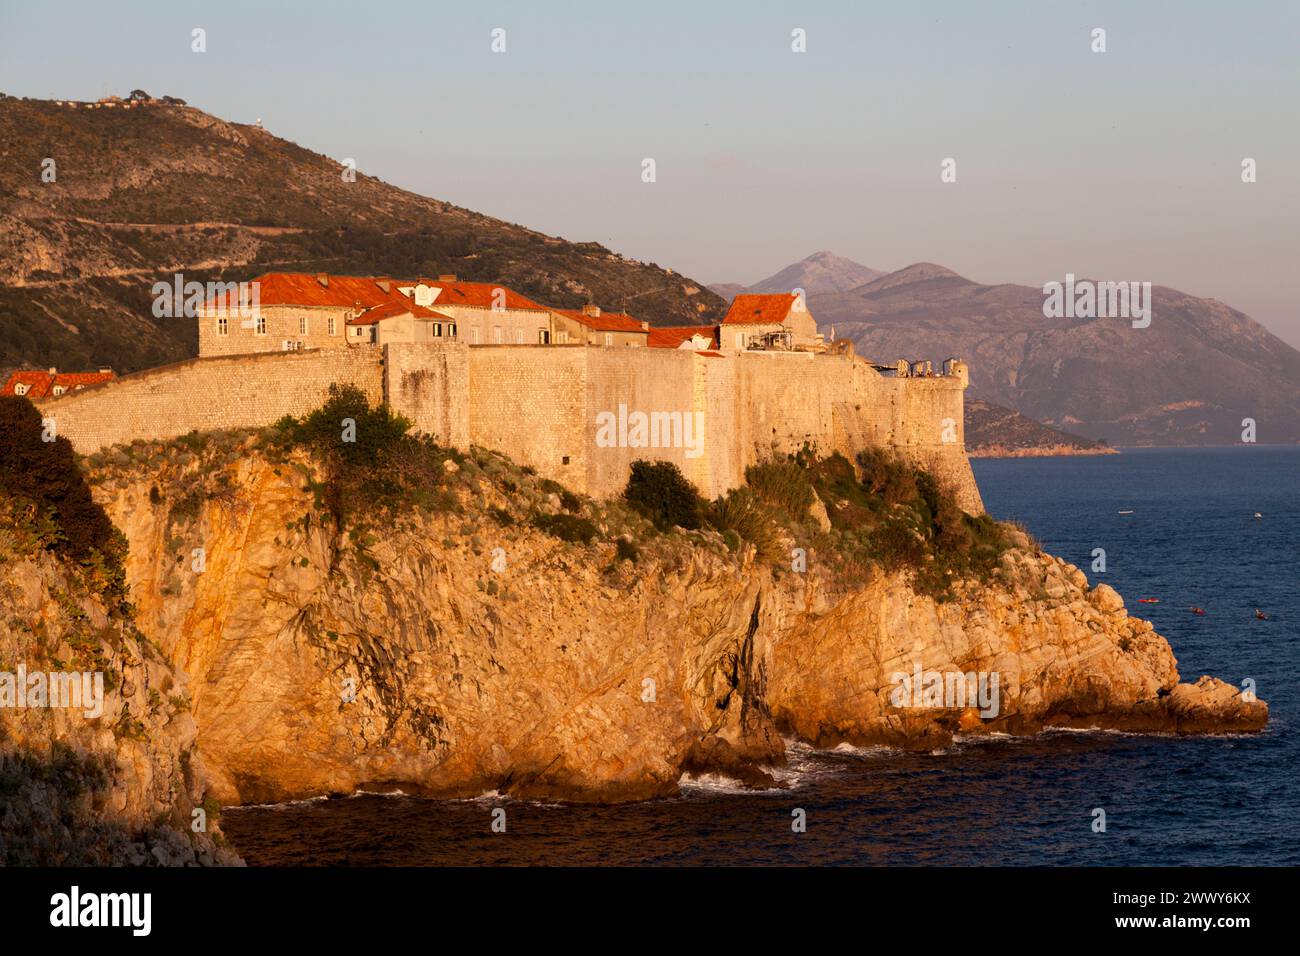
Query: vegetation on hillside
{"points": [[47, 503], [230, 202], [883, 514]]}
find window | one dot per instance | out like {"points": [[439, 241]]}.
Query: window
{"points": [[59, 389], [437, 330], [259, 325], [223, 326], [473, 335], [519, 337], [451, 330], [334, 326], [562, 337], [543, 336], [302, 325], [496, 335], [609, 339], [20, 389]]}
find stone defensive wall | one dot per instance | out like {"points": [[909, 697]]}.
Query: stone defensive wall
{"points": [[237, 391], [578, 414], [571, 411]]}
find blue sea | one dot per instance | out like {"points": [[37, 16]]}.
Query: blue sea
{"points": [[1191, 539]]}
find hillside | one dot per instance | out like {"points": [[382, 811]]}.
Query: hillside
{"points": [[143, 193], [996, 432], [1190, 378]]}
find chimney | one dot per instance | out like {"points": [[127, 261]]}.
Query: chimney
{"points": [[591, 310], [54, 371], [105, 371], [645, 326], [450, 277], [323, 278]]}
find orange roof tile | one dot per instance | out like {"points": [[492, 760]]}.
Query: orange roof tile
{"points": [[753, 309], [605, 322], [300, 288], [482, 295], [42, 384], [672, 337], [390, 310]]}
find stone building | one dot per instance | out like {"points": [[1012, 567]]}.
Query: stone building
{"points": [[484, 313], [288, 311], [779, 321], [590, 326]]}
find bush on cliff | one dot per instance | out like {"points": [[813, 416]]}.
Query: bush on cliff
{"points": [[43, 479], [661, 493], [740, 511], [884, 513]]}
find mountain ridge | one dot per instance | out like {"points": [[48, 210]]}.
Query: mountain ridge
{"points": [[229, 201]]}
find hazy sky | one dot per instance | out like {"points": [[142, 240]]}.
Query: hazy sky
{"points": [[1117, 165]]}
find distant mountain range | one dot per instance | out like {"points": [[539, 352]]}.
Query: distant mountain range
{"points": [[1190, 378], [141, 193], [820, 272]]}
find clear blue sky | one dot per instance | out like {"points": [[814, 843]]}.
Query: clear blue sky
{"points": [[1122, 165]]}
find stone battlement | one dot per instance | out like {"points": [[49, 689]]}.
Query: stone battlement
{"points": [[580, 415]]}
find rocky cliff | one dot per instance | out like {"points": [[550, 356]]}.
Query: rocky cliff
{"points": [[119, 788], [456, 648]]}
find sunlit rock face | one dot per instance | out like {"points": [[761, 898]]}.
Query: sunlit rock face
{"points": [[447, 654]]}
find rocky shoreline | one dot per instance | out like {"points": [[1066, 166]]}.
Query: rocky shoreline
{"points": [[485, 657], [1038, 451]]}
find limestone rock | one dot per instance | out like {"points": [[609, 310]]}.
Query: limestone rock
{"points": [[313, 671]]}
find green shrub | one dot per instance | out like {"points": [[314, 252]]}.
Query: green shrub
{"points": [[373, 432], [625, 550], [741, 511], [566, 527], [784, 485], [660, 492]]}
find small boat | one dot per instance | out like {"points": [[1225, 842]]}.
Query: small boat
{"points": [[1129, 512], [1198, 610], [1258, 515], [1260, 615], [1148, 600]]}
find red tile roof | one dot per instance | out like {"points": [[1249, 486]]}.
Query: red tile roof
{"points": [[482, 295], [759, 309], [392, 309], [42, 384], [672, 337], [300, 288], [605, 322]]}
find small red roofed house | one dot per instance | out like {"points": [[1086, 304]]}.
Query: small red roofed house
{"points": [[486, 313], [400, 322], [780, 320], [591, 326], [52, 383], [698, 338]]}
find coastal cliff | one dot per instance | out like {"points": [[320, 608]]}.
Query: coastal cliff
{"points": [[506, 635], [117, 787]]}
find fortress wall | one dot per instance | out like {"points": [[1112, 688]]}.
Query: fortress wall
{"points": [[928, 429], [429, 383], [529, 401], [244, 391], [539, 405], [784, 400], [647, 381]]}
